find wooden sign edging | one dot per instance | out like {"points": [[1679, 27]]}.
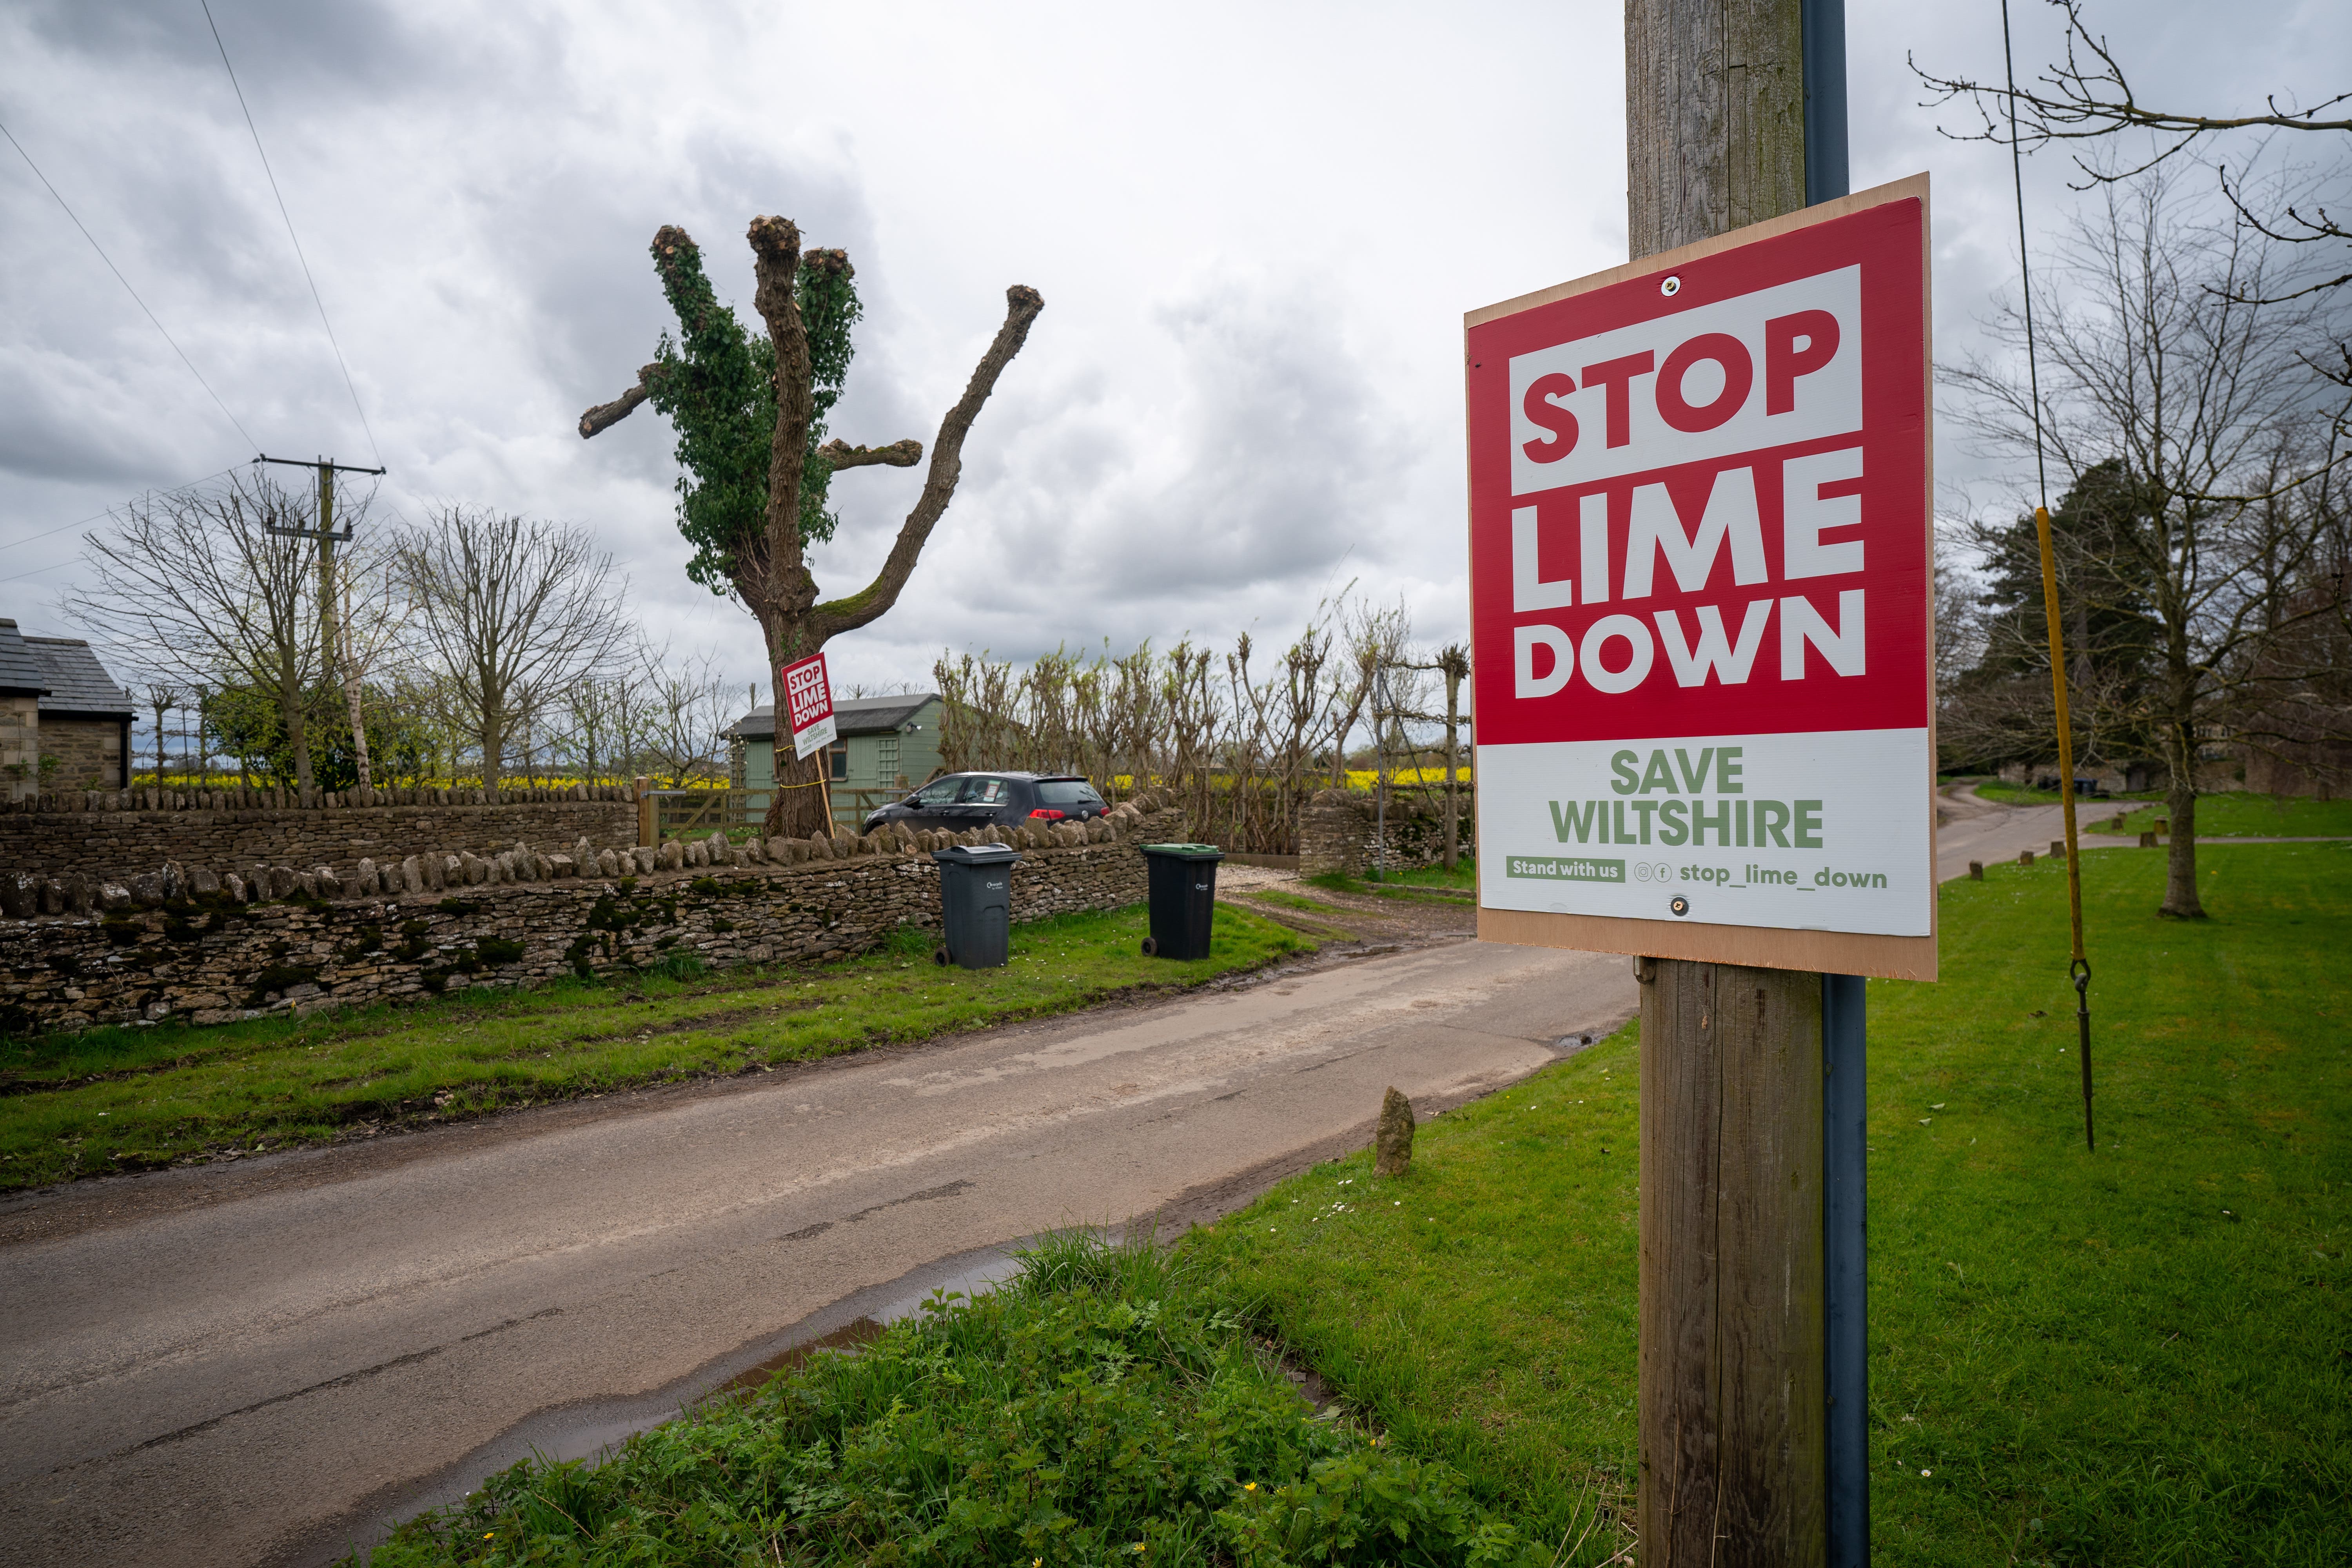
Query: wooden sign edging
{"points": [[1910, 957]]}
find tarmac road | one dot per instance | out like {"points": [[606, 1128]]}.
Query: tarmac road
{"points": [[259, 1364]]}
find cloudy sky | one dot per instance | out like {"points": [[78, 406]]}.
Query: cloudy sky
{"points": [[1255, 228]]}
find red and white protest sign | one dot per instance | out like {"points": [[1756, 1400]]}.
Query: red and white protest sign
{"points": [[1702, 603], [808, 703]]}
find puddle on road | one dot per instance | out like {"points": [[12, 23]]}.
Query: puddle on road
{"points": [[593, 1429], [850, 1336]]}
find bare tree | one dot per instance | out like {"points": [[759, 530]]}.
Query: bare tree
{"points": [[515, 611], [162, 697], [196, 585], [686, 703], [2173, 362], [2086, 98]]}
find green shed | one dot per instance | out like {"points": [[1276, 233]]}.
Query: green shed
{"points": [[883, 747]]}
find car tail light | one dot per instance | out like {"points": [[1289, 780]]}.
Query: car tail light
{"points": [[1048, 812]]}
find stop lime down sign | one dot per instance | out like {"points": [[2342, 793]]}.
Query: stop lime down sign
{"points": [[1702, 602]]}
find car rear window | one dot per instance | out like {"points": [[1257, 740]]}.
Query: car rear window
{"points": [[1067, 792], [987, 792]]}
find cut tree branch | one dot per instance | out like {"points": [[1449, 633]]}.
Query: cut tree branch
{"points": [[837, 616], [898, 454], [604, 416]]}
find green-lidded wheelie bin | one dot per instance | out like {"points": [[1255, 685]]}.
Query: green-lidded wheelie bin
{"points": [[1183, 899], [976, 903]]}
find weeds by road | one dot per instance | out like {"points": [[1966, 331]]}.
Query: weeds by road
{"points": [[113, 1099], [2131, 1356], [1110, 1404]]}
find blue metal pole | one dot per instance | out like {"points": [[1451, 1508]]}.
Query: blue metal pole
{"points": [[1844, 1098], [1845, 1316], [1824, 51]]}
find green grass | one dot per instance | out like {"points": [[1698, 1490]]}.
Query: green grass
{"points": [[117, 1098], [1464, 878], [2138, 1356], [2019, 794], [1422, 882], [1109, 1405], [1283, 900], [2236, 815]]}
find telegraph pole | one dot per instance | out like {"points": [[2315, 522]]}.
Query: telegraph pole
{"points": [[1752, 1398], [327, 468]]}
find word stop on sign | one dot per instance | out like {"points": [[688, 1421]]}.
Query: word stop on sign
{"points": [[1701, 584]]}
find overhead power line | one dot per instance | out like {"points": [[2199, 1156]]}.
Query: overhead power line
{"points": [[93, 517], [119, 278], [305, 260]]}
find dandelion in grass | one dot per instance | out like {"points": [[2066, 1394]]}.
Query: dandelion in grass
{"points": [[1249, 1485]]}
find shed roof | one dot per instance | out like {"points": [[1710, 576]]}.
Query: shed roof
{"points": [[20, 672], [76, 682], [851, 716]]}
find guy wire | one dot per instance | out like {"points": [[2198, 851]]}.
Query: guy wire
{"points": [[2078, 968]]}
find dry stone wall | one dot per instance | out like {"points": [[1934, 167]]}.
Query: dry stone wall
{"points": [[122, 833], [1339, 829], [209, 947]]}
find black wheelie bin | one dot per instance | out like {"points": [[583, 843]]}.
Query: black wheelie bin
{"points": [[976, 903], [1183, 899]]}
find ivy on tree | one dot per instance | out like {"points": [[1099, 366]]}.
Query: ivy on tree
{"points": [[749, 414]]}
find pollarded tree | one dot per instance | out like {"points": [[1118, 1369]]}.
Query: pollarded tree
{"points": [[749, 412]]}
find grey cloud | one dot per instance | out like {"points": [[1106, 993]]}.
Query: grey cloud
{"points": [[1272, 452], [298, 46]]}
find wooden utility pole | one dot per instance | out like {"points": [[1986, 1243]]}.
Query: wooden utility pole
{"points": [[329, 606], [1732, 1397]]}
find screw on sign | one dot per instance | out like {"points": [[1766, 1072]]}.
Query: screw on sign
{"points": [[1701, 598]]}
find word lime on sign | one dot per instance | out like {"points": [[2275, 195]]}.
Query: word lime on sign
{"points": [[1701, 599], [808, 701]]}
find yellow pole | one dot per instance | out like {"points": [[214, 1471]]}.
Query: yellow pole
{"points": [[2079, 969]]}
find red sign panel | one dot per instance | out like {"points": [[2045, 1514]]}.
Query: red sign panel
{"points": [[1699, 516]]}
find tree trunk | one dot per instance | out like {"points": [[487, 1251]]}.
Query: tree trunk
{"points": [[2180, 900], [493, 739], [796, 809], [351, 696], [289, 710], [1452, 733]]}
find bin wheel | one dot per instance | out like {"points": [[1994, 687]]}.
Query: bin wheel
{"points": [[1150, 947], [940, 956]]}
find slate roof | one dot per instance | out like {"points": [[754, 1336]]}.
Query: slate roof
{"points": [[851, 716], [20, 672], [76, 682]]}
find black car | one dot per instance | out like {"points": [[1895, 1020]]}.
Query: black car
{"points": [[961, 802]]}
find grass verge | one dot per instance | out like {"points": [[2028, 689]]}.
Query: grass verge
{"points": [[2140, 1355], [113, 1099], [1107, 1406], [2239, 815], [1422, 882]]}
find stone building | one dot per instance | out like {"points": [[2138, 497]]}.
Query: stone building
{"points": [[64, 723], [21, 685]]}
